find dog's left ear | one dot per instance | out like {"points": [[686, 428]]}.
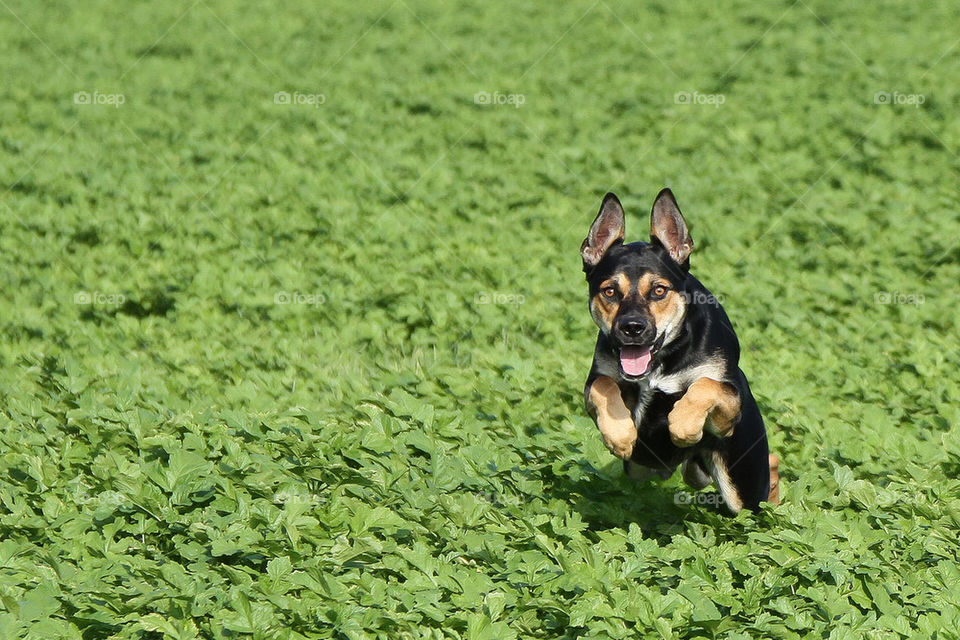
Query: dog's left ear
{"points": [[668, 227]]}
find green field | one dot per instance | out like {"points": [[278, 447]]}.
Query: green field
{"points": [[293, 329]]}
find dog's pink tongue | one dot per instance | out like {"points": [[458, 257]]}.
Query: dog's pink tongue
{"points": [[634, 360]]}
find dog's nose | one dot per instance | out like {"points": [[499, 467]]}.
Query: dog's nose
{"points": [[633, 328]]}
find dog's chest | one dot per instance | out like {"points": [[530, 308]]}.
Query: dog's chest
{"points": [[679, 381], [670, 384], [644, 396]]}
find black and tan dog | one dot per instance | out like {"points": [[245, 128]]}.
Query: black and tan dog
{"points": [[665, 388]]}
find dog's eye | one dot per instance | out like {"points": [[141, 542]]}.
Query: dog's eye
{"points": [[658, 292], [610, 293]]}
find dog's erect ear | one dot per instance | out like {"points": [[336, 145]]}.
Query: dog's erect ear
{"points": [[606, 231], [668, 227]]}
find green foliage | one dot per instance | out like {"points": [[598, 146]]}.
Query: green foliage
{"points": [[314, 370]]}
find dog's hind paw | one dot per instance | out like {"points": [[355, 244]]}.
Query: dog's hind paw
{"points": [[695, 475]]}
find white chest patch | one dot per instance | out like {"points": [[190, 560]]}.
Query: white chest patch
{"points": [[656, 381], [680, 380]]}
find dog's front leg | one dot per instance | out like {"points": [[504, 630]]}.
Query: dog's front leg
{"points": [[607, 408], [706, 404]]}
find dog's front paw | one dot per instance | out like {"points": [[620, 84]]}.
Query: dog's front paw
{"points": [[619, 436], [686, 421], [612, 416]]}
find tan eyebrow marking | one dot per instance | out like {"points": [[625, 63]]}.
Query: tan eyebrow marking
{"points": [[648, 282], [618, 281]]}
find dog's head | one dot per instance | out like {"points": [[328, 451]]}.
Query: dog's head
{"points": [[638, 292]]}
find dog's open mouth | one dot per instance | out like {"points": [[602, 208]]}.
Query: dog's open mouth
{"points": [[635, 361]]}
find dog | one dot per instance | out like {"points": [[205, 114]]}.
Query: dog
{"points": [[665, 388]]}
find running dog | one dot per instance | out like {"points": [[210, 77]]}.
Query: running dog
{"points": [[665, 388]]}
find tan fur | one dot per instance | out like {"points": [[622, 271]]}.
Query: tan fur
{"points": [[706, 404], [612, 416], [725, 485], [604, 311], [666, 312], [646, 283], [774, 496]]}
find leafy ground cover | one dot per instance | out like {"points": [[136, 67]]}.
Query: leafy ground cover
{"points": [[293, 330]]}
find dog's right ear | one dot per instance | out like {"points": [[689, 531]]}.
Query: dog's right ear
{"points": [[606, 231]]}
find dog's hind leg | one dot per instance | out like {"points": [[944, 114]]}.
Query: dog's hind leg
{"points": [[720, 471], [741, 468], [774, 495], [695, 474]]}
